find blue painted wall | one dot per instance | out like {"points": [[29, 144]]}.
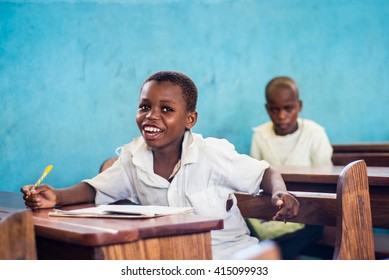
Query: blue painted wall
{"points": [[70, 73]]}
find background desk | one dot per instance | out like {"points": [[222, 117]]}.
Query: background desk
{"points": [[324, 179], [374, 154], [184, 236]]}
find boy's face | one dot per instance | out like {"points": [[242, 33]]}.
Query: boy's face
{"points": [[162, 116], [283, 107]]}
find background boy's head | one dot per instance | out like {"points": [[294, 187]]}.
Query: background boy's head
{"points": [[283, 104], [188, 87]]}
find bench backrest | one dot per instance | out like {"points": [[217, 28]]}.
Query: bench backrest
{"points": [[348, 210], [354, 236]]}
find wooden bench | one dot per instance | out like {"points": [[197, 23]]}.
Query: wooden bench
{"points": [[374, 154], [17, 238], [348, 210]]}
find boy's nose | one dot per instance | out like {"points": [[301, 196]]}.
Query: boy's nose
{"points": [[152, 115], [282, 114]]}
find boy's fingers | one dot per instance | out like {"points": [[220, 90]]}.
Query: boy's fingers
{"points": [[285, 214], [25, 189]]}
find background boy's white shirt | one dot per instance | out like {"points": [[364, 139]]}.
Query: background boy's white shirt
{"points": [[308, 146]]}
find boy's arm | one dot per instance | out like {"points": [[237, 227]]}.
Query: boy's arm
{"points": [[45, 196], [273, 184], [79, 193]]}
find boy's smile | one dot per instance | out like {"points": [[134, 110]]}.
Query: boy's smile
{"points": [[151, 132], [162, 117]]}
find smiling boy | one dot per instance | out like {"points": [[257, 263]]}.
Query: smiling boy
{"points": [[171, 166]]}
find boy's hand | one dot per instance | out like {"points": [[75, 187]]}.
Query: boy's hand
{"points": [[287, 204], [42, 196]]}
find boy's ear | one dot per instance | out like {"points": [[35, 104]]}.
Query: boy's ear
{"points": [[300, 105], [191, 120]]}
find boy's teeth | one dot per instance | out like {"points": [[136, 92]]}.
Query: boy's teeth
{"points": [[152, 129]]}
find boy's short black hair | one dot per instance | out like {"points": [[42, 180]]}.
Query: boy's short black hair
{"points": [[283, 81], [188, 87]]}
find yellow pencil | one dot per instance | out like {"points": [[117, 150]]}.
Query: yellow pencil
{"points": [[47, 171]]}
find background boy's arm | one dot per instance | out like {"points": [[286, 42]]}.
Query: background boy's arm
{"points": [[273, 184]]}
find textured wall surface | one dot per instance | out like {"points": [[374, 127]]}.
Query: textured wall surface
{"points": [[70, 73]]}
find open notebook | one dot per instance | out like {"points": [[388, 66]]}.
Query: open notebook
{"points": [[122, 211]]}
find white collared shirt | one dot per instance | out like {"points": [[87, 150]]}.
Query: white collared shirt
{"points": [[210, 171], [308, 146]]}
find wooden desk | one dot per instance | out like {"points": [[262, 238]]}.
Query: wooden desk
{"points": [[348, 210], [17, 238], [324, 179], [185, 236], [361, 147], [374, 154]]}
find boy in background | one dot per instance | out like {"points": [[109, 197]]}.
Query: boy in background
{"points": [[288, 140]]}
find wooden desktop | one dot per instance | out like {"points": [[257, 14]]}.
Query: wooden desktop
{"points": [[183, 236]]}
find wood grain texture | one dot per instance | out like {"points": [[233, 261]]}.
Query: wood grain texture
{"points": [[17, 238], [178, 247], [181, 247], [354, 235]]}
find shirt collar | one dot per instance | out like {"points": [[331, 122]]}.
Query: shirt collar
{"points": [[142, 155], [190, 150]]}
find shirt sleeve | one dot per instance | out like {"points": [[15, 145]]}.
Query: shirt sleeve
{"points": [[114, 184], [242, 172]]}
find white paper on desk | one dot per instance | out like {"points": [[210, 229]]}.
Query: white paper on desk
{"points": [[123, 211]]}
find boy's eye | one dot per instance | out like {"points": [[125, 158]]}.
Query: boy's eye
{"points": [[167, 109], [144, 107], [274, 110], [289, 109]]}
